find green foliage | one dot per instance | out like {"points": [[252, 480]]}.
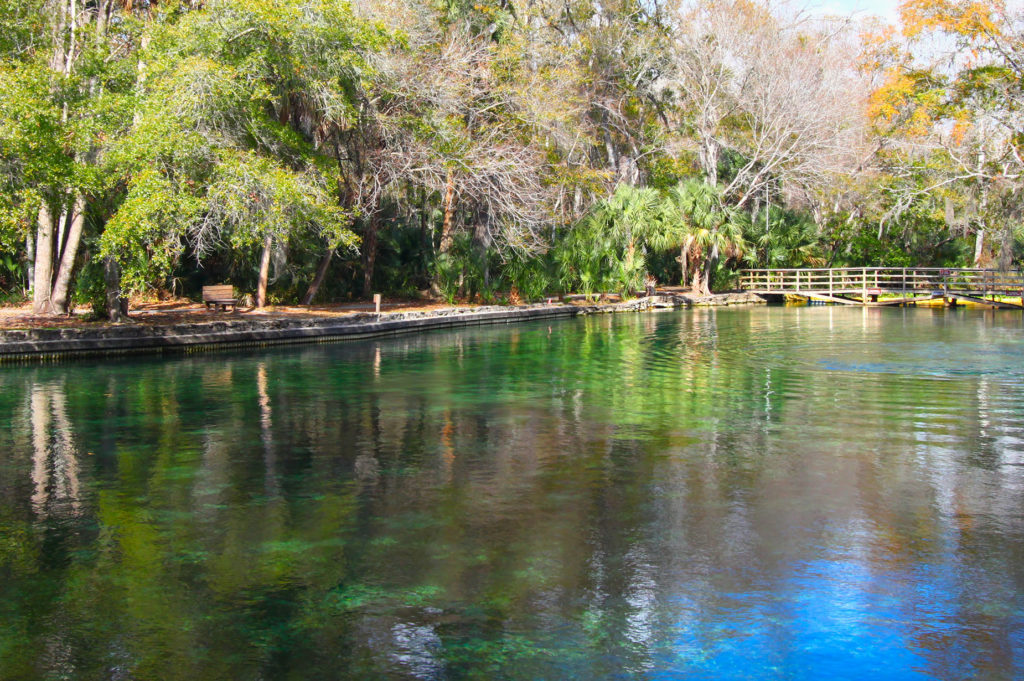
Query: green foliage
{"points": [[92, 288], [781, 238], [530, 276], [448, 271], [606, 250], [144, 234], [12, 272]]}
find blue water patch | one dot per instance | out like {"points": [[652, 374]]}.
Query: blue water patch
{"points": [[838, 619]]}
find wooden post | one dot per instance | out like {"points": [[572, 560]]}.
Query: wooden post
{"points": [[830, 294], [864, 285], [376, 302]]}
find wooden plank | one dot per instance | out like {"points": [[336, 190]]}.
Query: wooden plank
{"points": [[219, 291], [832, 299]]}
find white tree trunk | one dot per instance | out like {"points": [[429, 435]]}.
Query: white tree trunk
{"points": [[62, 283], [261, 284], [449, 212], [30, 258], [44, 262], [709, 158]]}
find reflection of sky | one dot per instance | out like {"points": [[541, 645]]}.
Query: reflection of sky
{"points": [[831, 619]]}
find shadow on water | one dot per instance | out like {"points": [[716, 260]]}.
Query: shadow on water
{"points": [[742, 493]]}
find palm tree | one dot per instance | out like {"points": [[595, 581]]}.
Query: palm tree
{"points": [[631, 214], [703, 228], [603, 248], [785, 239]]}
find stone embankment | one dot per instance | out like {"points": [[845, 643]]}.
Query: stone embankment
{"points": [[48, 344]]}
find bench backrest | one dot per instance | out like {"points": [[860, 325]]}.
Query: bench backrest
{"points": [[219, 292]]}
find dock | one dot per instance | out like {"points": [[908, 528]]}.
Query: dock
{"points": [[882, 286]]}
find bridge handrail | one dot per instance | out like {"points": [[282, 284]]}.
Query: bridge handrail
{"points": [[969, 280], [878, 269]]}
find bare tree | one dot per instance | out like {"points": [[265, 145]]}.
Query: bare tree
{"points": [[779, 89]]}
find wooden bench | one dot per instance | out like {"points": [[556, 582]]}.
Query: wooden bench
{"points": [[220, 296]]}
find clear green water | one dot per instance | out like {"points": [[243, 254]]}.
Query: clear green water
{"points": [[751, 493]]}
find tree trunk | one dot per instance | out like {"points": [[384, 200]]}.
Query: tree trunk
{"points": [[698, 285], [321, 274], [482, 240], [261, 284], [979, 247], [426, 240], [44, 262], [705, 283], [117, 305], [60, 228], [684, 266], [62, 284], [1004, 259], [449, 210], [708, 156], [370, 253], [30, 259]]}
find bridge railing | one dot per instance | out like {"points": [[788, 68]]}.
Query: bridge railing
{"points": [[876, 280]]}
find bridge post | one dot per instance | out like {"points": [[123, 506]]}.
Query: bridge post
{"points": [[864, 285], [830, 272]]}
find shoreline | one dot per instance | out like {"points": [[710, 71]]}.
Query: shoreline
{"points": [[56, 344]]}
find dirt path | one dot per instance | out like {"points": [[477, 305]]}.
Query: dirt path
{"points": [[187, 312]]}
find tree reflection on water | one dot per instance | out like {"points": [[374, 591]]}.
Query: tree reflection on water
{"points": [[708, 494]]}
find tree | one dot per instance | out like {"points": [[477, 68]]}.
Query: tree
{"points": [[606, 249], [67, 83], [779, 92], [950, 124], [226, 149], [705, 229]]}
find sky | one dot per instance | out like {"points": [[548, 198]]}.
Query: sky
{"points": [[886, 9]]}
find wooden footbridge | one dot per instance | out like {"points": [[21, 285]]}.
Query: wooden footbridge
{"points": [[891, 285]]}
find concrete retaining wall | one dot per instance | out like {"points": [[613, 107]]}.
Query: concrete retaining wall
{"points": [[52, 344]]}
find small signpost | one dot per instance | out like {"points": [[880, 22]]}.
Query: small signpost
{"points": [[376, 302]]}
